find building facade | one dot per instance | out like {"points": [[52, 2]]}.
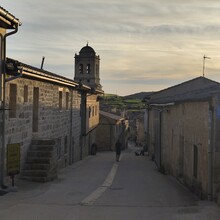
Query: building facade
{"points": [[8, 26], [87, 67], [45, 106], [183, 134], [111, 128], [51, 119]]}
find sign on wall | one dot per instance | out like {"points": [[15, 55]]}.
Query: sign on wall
{"points": [[13, 159]]}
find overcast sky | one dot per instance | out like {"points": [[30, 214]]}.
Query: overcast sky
{"points": [[144, 45]]}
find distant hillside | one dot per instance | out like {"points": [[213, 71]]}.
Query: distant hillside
{"points": [[139, 95], [131, 102]]}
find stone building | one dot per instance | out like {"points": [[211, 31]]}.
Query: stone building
{"points": [[111, 128], [136, 127], [183, 131], [8, 26], [87, 73], [51, 119], [141, 137], [45, 106], [87, 67]]}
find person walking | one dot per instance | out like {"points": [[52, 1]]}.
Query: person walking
{"points": [[118, 150]]}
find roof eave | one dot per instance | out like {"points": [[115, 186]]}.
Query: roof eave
{"points": [[11, 22]]}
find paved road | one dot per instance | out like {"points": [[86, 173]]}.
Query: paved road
{"points": [[100, 188]]}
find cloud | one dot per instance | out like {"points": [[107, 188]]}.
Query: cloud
{"points": [[140, 42]]}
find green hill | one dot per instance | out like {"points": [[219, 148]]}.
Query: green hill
{"points": [[140, 95], [133, 101]]}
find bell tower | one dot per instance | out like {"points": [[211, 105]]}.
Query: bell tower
{"points": [[87, 67]]}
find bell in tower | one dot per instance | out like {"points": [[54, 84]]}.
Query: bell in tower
{"points": [[87, 68]]}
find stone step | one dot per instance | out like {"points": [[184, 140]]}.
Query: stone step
{"points": [[39, 179], [39, 160], [43, 142], [43, 147], [42, 154], [35, 173], [41, 165], [36, 166]]}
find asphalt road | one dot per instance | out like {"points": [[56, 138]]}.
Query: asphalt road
{"points": [[100, 188]]}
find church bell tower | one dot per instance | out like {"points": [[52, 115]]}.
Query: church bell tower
{"points": [[87, 68]]}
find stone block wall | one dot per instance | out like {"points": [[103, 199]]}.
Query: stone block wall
{"points": [[184, 143], [92, 112], [216, 148], [106, 138], [58, 117], [185, 136], [87, 142], [141, 138]]}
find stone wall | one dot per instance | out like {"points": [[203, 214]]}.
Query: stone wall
{"points": [[141, 136], [184, 143], [185, 135], [56, 118], [109, 131], [92, 112], [106, 139], [216, 148]]}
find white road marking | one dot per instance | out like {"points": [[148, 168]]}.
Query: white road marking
{"points": [[100, 190]]}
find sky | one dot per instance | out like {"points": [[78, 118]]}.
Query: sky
{"points": [[144, 45]]}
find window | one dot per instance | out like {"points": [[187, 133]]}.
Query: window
{"points": [[80, 68], [195, 161], [60, 99], [65, 144], [97, 70], [25, 93], [96, 108], [90, 112], [93, 111], [59, 148], [67, 100], [35, 108], [88, 69], [12, 100]]}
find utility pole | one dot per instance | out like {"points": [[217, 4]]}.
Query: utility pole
{"points": [[204, 57]]}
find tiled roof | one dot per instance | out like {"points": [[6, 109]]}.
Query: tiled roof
{"points": [[111, 116], [17, 63], [196, 89], [12, 67]]}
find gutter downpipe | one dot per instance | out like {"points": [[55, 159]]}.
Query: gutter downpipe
{"points": [[71, 158], [158, 163], [83, 121], [157, 107], [148, 129], [210, 153], [160, 140], [3, 107]]}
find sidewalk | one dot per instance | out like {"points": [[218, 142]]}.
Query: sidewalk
{"points": [[74, 183], [100, 188]]}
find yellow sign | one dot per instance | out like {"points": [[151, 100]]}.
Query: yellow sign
{"points": [[13, 159]]}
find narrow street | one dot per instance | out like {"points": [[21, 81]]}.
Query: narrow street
{"points": [[100, 188]]}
